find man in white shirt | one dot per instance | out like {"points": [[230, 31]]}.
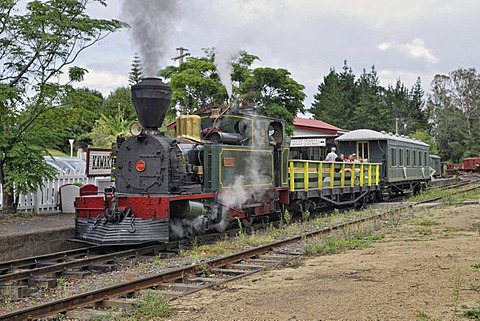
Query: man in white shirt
{"points": [[332, 155]]}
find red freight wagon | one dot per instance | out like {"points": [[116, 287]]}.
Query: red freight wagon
{"points": [[471, 164]]}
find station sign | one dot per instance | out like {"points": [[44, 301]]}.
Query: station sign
{"points": [[308, 142], [99, 162]]}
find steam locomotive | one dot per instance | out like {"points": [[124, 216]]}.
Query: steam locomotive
{"points": [[217, 169], [228, 167]]}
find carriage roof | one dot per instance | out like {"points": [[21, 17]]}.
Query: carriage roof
{"points": [[368, 134]]}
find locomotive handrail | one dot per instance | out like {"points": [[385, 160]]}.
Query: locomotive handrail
{"points": [[302, 174]]}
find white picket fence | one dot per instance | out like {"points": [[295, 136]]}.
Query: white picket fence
{"points": [[47, 199]]}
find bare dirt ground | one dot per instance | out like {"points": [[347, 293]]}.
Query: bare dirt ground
{"points": [[423, 269]]}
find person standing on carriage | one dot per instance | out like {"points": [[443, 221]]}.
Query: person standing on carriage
{"points": [[332, 155]]}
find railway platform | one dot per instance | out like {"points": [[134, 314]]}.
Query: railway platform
{"points": [[26, 234]]}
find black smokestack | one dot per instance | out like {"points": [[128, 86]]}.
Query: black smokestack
{"points": [[151, 98]]}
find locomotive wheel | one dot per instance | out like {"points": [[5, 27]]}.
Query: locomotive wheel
{"points": [[247, 222]]}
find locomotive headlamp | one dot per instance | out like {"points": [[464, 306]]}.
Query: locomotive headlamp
{"points": [[135, 128], [140, 165]]}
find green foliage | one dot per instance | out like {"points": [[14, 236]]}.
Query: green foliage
{"points": [[473, 314], [26, 168], [305, 216], [119, 105], [350, 103], [425, 137], [455, 113], [117, 113], [106, 129], [136, 73], [287, 217], [196, 78], [331, 103], [75, 117], [457, 283], [268, 91], [151, 305], [333, 245], [204, 267], [274, 93]]}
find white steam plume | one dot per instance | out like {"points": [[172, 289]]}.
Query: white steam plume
{"points": [[224, 54], [151, 22]]}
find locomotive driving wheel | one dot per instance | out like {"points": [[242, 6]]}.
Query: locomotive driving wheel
{"points": [[247, 221]]}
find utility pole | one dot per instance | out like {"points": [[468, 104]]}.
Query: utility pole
{"points": [[182, 53]]}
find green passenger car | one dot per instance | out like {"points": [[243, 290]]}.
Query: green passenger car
{"points": [[404, 160]]}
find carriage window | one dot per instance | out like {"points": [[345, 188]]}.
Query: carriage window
{"points": [[415, 158], [400, 154], [393, 152], [425, 159], [362, 150], [407, 152]]}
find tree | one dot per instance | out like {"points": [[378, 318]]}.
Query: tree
{"points": [[337, 98], [136, 73], [271, 92], [274, 93], [80, 109], [351, 103], [417, 108], [370, 107], [425, 137], [330, 103], [38, 44], [195, 80], [454, 107], [118, 104], [116, 114]]}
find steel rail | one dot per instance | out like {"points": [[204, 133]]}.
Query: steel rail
{"points": [[75, 263]]}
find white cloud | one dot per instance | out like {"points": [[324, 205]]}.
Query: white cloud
{"points": [[415, 49], [104, 82], [384, 46]]}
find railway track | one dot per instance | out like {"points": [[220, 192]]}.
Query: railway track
{"points": [[172, 283]]}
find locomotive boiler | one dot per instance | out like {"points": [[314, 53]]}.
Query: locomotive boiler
{"points": [[218, 168]]}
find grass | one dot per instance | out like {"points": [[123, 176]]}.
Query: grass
{"points": [[199, 253], [473, 313], [150, 306], [427, 222], [431, 193], [472, 195], [457, 282], [423, 316], [446, 194], [335, 245]]}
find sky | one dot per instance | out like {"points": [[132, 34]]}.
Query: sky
{"points": [[403, 39]]}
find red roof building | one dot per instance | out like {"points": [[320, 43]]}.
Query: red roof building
{"points": [[312, 138], [312, 127]]}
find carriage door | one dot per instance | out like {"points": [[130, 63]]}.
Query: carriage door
{"points": [[363, 151]]}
